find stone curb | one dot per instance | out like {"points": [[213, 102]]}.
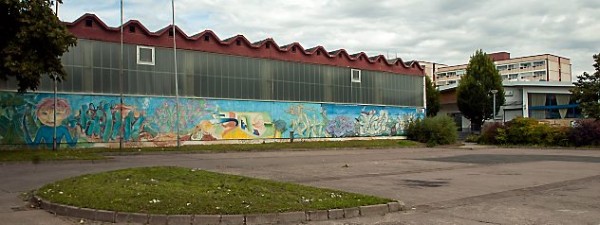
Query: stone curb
{"points": [[250, 219], [372, 210]]}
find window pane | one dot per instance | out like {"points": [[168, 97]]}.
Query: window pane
{"points": [[145, 55]]}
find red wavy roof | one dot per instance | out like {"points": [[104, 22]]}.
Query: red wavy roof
{"points": [[89, 26]]}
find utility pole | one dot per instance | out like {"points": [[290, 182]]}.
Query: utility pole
{"points": [[494, 92], [122, 128], [176, 80]]}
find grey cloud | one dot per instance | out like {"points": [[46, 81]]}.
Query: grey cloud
{"points": [[438, 30]]}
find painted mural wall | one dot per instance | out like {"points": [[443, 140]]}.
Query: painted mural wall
{"points": [[99, 121]]}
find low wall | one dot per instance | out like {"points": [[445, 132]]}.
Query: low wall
{"points": [[101, 120], [560, 122]]}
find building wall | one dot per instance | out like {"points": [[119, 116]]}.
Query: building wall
{"points": [[450, 74], [553, 68], [431, 68], [90, 27], [93, 67], [228, 89], [513, 106], [519, 103], [95, 120], [451, 109]]}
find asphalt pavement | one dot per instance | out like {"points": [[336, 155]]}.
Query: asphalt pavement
{"points": [[472, 185]]}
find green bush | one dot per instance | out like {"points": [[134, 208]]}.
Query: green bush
{"points": [[525, 131], [585, 133], [561, 136], [519, 131], [439, 130], [472, 138], [490, 133]]}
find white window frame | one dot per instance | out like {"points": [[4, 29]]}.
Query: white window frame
{"points": [[138, 55], [539, 73], [539, 63], [352, 76]]}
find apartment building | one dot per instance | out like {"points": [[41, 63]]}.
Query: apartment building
{"points": [[535, 86], [430, 67], [544, 67]]}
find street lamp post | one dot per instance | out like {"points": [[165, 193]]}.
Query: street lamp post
{"points": [[176, 79], [54, 76], [494, 92], [54, 141]]}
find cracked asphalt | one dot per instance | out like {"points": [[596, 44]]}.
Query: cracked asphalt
{"points": [[483, 185]]}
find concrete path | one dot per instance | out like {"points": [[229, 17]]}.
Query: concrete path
{"points": [[443, 186]]}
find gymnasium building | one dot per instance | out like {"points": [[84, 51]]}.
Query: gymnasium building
{"points": [[231, 89]]}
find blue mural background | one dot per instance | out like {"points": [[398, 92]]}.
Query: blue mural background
{"points": [[95, 120]]}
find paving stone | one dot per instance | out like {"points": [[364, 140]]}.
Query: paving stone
{"points": [[48, 206], [334, 214], [180, 219], [318, 215], [156, 219], [35, 201], [292, 217], [351, 212], [232, 219], [372, 210], [65, 210], [131, 218], [207, 219], [393, 206], [85, 213], [256, 219], [403, 206], [104, 215]]}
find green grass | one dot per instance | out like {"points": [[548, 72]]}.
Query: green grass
{"points": [[37, 156], [101, 153], [275, 146], [176, 190]]}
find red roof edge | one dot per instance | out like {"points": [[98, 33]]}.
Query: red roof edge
{"points": [[239, 45]]}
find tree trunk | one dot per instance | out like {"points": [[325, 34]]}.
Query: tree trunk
{"points": [[475, 127]]}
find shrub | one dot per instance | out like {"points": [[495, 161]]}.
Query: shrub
{"points": [[525, 131], [489, 133], [519, 130], [437, 130], [585, 132], [561, 136], [473, 138]]}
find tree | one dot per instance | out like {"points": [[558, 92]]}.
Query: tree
{"points": [[587, 91], [474, 97], [433, 98], [32, 41]]}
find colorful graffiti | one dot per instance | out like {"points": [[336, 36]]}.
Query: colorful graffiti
{"points": [[50, 115], [309, 120], [351, 121], [86, 120], [234, 125]]}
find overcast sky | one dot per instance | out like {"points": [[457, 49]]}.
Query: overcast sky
{"points": [[439, 31]]}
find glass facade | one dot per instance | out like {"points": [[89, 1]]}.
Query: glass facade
{"points": [[553, 106], [93, 67]]}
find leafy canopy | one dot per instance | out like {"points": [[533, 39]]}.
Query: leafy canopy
{"points": [[474, 97], [32, 41], [587, 91], [433, 98]]}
